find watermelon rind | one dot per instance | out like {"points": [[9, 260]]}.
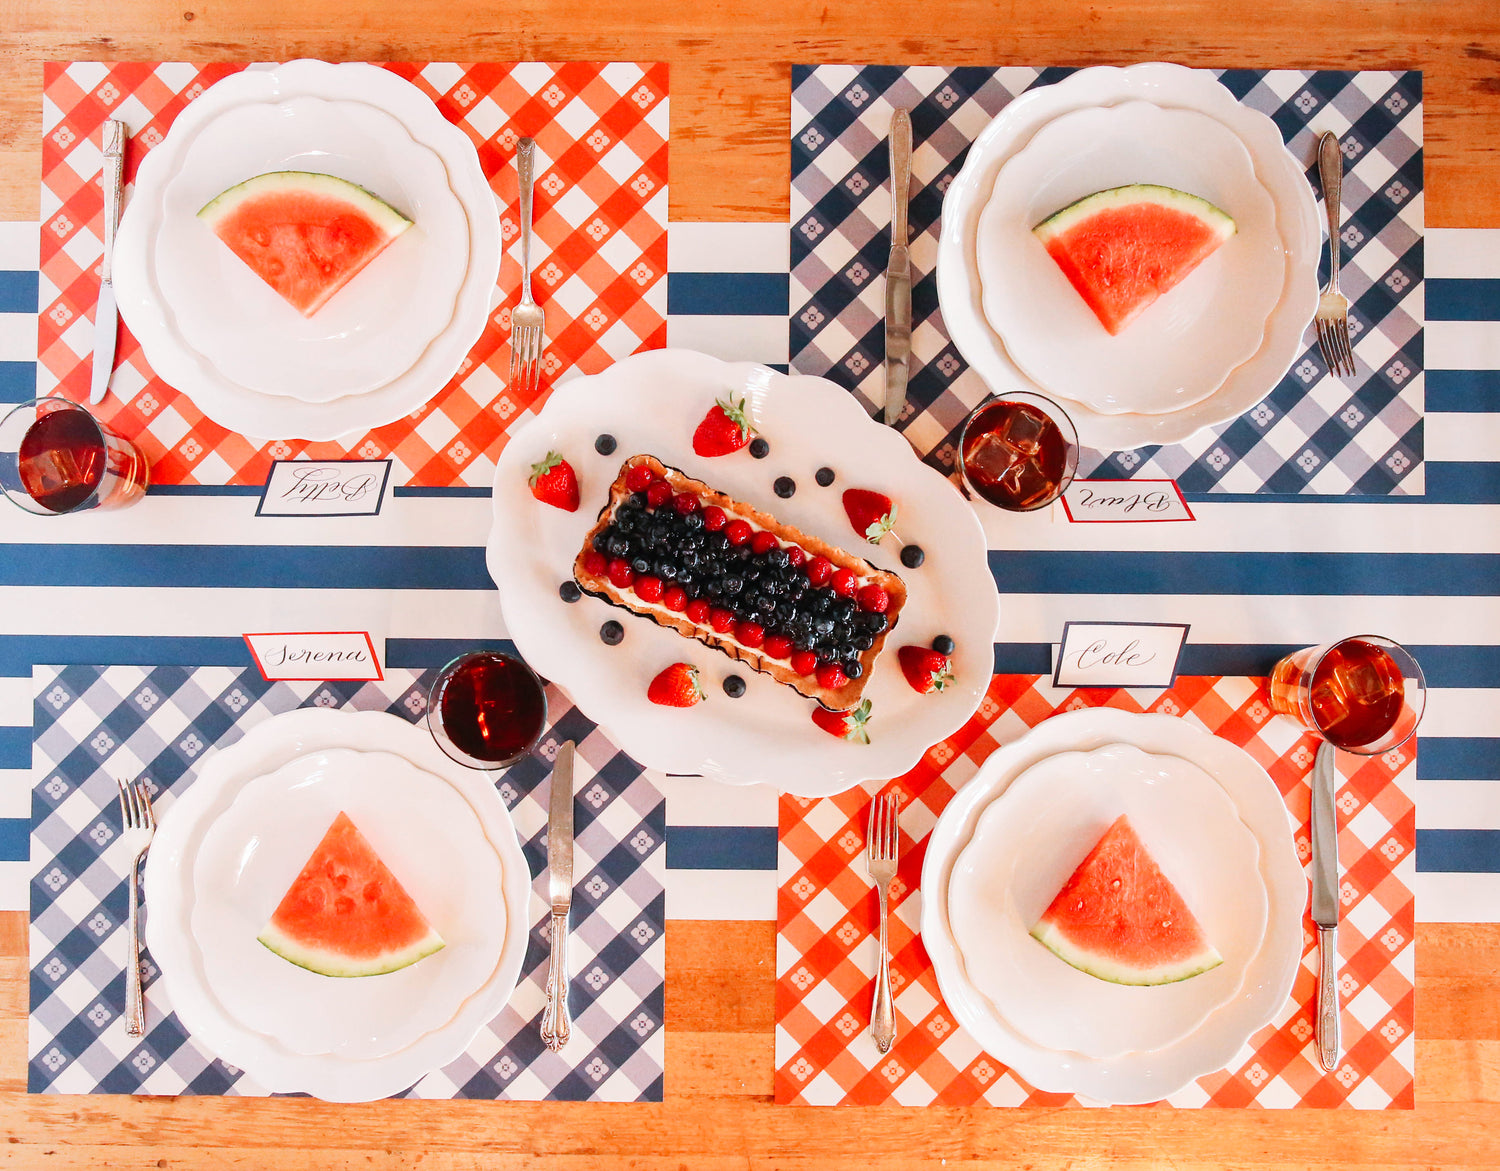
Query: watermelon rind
{"points": [[390, 221], [1102, 967], [1219, 222], [331, 963]]}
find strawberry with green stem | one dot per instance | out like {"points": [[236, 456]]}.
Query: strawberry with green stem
{"points": [[850, 725], [554, 482], [725, 429], [872, 514]]}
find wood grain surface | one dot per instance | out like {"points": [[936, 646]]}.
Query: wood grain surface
{"points": [[730, 70]]}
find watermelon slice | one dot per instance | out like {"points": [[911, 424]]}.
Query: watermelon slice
{"points": [[1123, 248], [1120, 919], [346, 914], [306, 235]]}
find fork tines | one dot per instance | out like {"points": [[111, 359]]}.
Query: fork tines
{"points": [[135, 805], [1333, 341], [882, 840]]}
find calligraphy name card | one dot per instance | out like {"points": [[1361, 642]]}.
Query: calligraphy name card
{"points": [[315, 655], [1124, 501], [330, 487], [1119, 654]]}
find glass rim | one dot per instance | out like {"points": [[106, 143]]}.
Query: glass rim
{"points": [[1385, 642], [23, 499], [434, 702], [1055, 412]]}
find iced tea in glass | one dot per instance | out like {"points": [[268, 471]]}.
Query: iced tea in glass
{"points": [[1019, 451], [487, 709], [56, 458], [1364, 694]]}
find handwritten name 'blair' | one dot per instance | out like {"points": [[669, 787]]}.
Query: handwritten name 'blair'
{"points": [[1099, 654], [1125, 503]]}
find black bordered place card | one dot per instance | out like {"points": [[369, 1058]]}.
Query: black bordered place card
{"points": [[325, 487], [315, 655], [1125, 502], [1119, 654]]}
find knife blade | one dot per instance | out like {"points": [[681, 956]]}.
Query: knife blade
{"points": [[898, 272], [106, 316], [557, 1022], [1325, 903]]}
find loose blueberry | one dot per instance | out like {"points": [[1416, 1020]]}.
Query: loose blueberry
{"points": [[612, 633], [569, 592], [605, 445], [785, 487], [734, 687], [943, 644], [824, 477], [912, 556], [759, 448]]}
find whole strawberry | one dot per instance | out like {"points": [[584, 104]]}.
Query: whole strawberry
{"points": [[845, 725], [725, 429], [553, 482], [925, 669], [871, 513], [677, 686]]}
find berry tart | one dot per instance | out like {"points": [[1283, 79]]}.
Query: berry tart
{"points": [[690, 558]]}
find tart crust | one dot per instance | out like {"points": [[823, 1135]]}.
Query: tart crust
{"points": [[842, 698]]}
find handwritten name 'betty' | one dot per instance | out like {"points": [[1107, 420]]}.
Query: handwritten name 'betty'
{"points": [[1099, 653], [320, 482]]}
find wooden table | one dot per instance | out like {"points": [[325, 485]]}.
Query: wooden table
{"points": [[730, 89]]}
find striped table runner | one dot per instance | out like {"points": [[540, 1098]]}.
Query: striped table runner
{"points": [[177, 580]]}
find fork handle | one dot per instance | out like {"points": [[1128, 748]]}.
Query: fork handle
{"points": [[525, 152], [135, 1008], [883, 1013], [1331, 174]]}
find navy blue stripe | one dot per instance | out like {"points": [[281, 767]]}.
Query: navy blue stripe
{"points": [[460, 492], [1447, 483], [328, 567], [420, 654], [1463, 299], [205, 490], [1463, 391], [1338, 574], [728, 294], [721, 847], [18, 652], [15, 839], [1458, 758], [1458, 851], [15, 746], [18, 291], [17, 381]]}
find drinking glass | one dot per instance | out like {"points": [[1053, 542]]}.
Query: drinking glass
{"points": [[56, 458], [1363, 694], [487, 709], [1019, 451]]}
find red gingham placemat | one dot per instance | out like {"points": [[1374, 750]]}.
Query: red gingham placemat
{"points": [[600, 256], [826, 912]]}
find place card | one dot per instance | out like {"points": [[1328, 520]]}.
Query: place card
{"points": [[1125, 502], [1119, 654], [325, 487], [315, 655]]}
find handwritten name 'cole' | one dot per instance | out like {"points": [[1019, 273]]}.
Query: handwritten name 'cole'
{"points": [[1099, 654]]}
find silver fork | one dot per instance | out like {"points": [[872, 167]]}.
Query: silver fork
{"points": [[1333, 307], [882, 847], [140, 825], [526, 320]]}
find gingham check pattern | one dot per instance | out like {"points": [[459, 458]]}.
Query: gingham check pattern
{"points": [[599, 257], [826, 911], [1311, 434], [93, 724]]}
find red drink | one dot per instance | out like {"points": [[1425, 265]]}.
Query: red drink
{"points": [[1354, 693], [490, 708], [1016, 454], [66, 461]]}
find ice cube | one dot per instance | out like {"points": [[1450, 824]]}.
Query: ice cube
{"points": [[1023, 428], [991, 458], [1329, 702], [1026, 483]]}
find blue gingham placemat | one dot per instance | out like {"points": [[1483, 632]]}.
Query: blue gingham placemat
{"points": [[93, 724], [1312, 433]]}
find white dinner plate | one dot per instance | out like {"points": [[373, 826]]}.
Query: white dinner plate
{"points": [[267, 416], [372, 330], [1138, 1076], [1181, 348], [185, 987], [1027, 844], [651, 403], [422, 829], [1169, 86]]}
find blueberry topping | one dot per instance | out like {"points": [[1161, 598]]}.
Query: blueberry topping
{"points": [[785, 487], [824, 477], [853, 669], [605, 445], [641, 565], [912, 556], [759, 448], [732, 584], [734, 687], [638, 499], [765, 604], [693, 520], [601, 541], [780, 558], [862, 642], [569, 592], [618, 545], [612, 633], [943, 644]]}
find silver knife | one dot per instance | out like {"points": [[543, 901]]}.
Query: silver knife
{"points": [[557, 1022], [1325, 904], [898, 272], [106, 316]]}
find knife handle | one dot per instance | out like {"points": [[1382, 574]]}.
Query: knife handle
{"points": [[113, 181], [900, 148], [557, 1022], [1327, 1026]]}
